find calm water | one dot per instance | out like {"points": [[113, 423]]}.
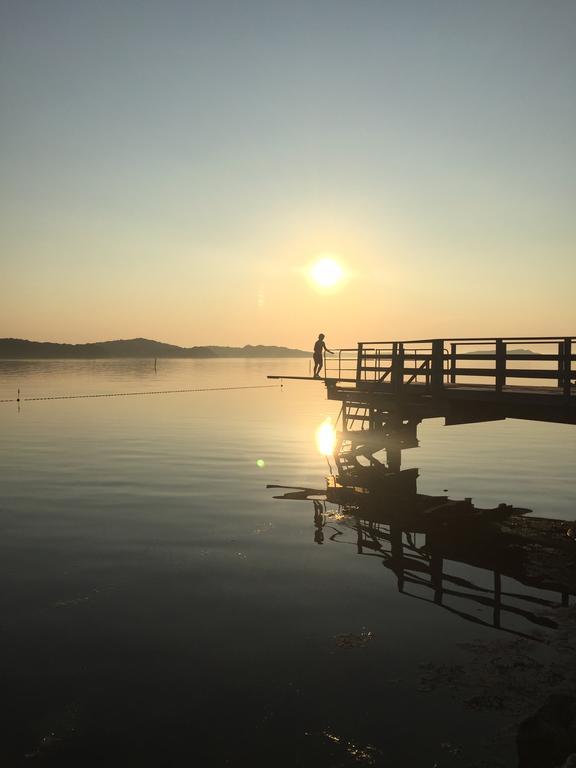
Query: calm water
{"points": [[160, 607]]}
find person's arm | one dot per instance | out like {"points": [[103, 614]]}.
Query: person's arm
{"points": [[328, 350]]}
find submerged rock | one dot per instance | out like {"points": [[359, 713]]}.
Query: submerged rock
{"points": [[547, 739], [353, 641]]}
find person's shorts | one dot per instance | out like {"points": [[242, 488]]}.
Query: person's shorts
{"points": [[318, 359]]}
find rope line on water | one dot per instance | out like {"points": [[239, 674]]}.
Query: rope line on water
{"points": [[132, 394]]}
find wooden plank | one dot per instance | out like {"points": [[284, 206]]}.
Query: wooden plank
{"points": [[526, 373], [515, 373], [509, 356]]}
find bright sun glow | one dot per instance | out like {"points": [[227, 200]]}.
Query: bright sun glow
{"points": [[326, 437], [326, 272]]}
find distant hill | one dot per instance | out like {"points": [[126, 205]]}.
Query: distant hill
{"points": [[29, 350], [259, 350], [519, 351]]}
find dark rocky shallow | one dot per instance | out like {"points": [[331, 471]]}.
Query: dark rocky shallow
{"points": [[531, 684]]}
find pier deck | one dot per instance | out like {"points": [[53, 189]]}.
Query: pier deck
{"points": [[463, 379]]}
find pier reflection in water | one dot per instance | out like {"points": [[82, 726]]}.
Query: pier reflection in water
{"points": [[373, 505]]}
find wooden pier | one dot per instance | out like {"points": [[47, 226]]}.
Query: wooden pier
{"points": [[462, 379]]}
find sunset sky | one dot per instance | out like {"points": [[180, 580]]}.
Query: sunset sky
{"points": [[171, 169]]}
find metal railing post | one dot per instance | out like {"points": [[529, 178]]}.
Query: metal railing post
{"points": [[453, 348], [360, 354], [394, 366]]}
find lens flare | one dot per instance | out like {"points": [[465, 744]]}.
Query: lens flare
{"points": [[326, 437]]}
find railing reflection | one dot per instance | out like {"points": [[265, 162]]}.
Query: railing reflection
{"points": [[445, 551]]}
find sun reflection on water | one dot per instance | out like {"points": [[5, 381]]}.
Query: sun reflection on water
{"points": [[326, 437]]}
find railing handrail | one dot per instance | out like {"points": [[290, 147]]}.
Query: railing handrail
{"points": [[474, 339]]}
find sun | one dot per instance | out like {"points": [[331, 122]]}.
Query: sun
{"points": [[326, 272]]}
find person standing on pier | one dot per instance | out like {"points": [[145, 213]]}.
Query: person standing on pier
{"points": [[319, 348]]}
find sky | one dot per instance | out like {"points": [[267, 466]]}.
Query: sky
{"points": [[171, 168]]}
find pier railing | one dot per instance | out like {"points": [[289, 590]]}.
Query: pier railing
{"points": [[525, 361]]}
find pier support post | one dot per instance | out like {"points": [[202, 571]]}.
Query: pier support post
{"points": [[565, 366], [500, 365], [397, 373], [437, 377], [568, 367], [453, 348]]}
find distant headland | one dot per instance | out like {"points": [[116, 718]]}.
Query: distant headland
{"points": [[146, 348]]}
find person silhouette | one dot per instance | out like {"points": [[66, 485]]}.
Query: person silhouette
{"points": [[319, 348]]}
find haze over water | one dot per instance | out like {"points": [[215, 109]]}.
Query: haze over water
{"points": [[159, 605]]}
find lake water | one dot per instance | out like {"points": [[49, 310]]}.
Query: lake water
{"points": [[160, 607]]}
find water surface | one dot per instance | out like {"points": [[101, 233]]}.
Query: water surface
{"points": [[160, 607]]}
